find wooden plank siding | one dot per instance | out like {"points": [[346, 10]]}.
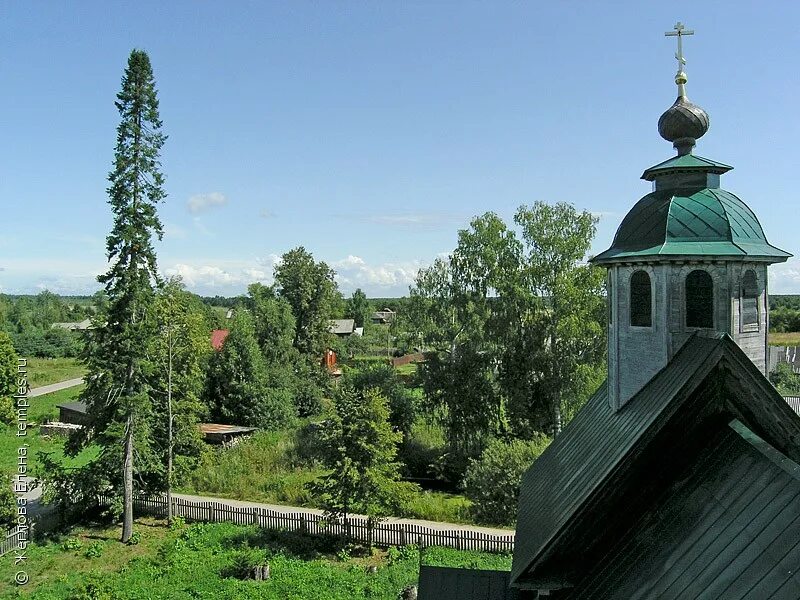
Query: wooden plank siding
{"points": [[382, 534]]}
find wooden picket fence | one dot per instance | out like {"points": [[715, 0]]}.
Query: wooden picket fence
{"points": [[357, 529], [10, 541]]}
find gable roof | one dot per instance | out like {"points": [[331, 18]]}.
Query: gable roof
{"points": [[79, 407], [342, 326], [596, 443], [728, 528]]}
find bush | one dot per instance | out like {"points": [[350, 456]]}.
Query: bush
{"points": [[785, 380], [72, 543], [8, 504], [95, 550], [8, 413], [243, 562], [135, 538], [492, 481]]}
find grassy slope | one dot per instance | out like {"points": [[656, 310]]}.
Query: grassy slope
{"points": [[41, 408], [190, 563], [44, 371], [784, 339]]}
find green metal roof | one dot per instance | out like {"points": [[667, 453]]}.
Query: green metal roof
{"points": [[684, 164], [687, 222]]}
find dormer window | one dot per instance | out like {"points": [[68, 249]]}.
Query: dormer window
{"points": [[641, 300], [749, 300], [699, 300]]}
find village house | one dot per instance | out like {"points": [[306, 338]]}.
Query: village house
{"points": [[680, 477]]}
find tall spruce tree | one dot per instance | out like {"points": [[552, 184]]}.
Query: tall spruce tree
{"points": [[118, 393]]}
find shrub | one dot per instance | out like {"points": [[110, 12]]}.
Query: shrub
{"points": [[243, 562], [135, 538], [492, 481], [8, 504], [95, 550], [8, 413], [72, 543]]}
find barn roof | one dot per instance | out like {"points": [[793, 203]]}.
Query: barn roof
{"points": [[582, 466], [342, 326], [73, 406]]}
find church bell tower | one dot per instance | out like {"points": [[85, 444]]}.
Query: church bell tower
{"points": [[688, 257]]}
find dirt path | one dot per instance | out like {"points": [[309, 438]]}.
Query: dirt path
{"points": [[54, 387], [437, 525]]}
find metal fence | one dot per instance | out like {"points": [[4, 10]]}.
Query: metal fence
{"points": [[357, 529]]}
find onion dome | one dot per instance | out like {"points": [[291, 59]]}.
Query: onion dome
{"points": [[683, 123]]}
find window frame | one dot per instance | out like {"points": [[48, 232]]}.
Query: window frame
{"points": [[712, 300], [756, 326], [631, 303]]}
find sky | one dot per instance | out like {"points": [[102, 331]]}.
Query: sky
{"points": [[371, 132]]}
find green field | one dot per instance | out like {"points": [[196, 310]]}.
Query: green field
{"points": [[42, 407], [785, 339], [44, 371], [200, 561]]}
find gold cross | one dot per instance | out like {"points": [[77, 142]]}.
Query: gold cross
{"points": [[680, 31]]}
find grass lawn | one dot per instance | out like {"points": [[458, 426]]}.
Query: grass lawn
{"points": [[41, 408], [44, 371], [785, 339], [200, 561]]}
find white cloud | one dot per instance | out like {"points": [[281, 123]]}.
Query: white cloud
{"points": [[784, 278], [174, 231], [392, 278], [202, 202]]}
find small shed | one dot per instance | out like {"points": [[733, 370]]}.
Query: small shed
{"points": [[342, 327], [73, 412], [383, 316], [74, 326], [217, 433]]}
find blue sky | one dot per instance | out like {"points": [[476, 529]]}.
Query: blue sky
{"points": [[371, 132]]}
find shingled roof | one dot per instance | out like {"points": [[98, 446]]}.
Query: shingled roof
{"points": [[582, 478]]}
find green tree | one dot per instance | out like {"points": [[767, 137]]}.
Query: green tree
{"points": [[358, 308], [179, 357], [8, 503], [274, 323], [8, 379], [785, 380], [360, 449], [241, 388], [492, 481], [118, 391], [516, 319], [311, 291], [563, 297], [402, 402]]}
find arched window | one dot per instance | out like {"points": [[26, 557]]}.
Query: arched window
{"points": [[641, 300], [699, 300], [749, 299]]}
